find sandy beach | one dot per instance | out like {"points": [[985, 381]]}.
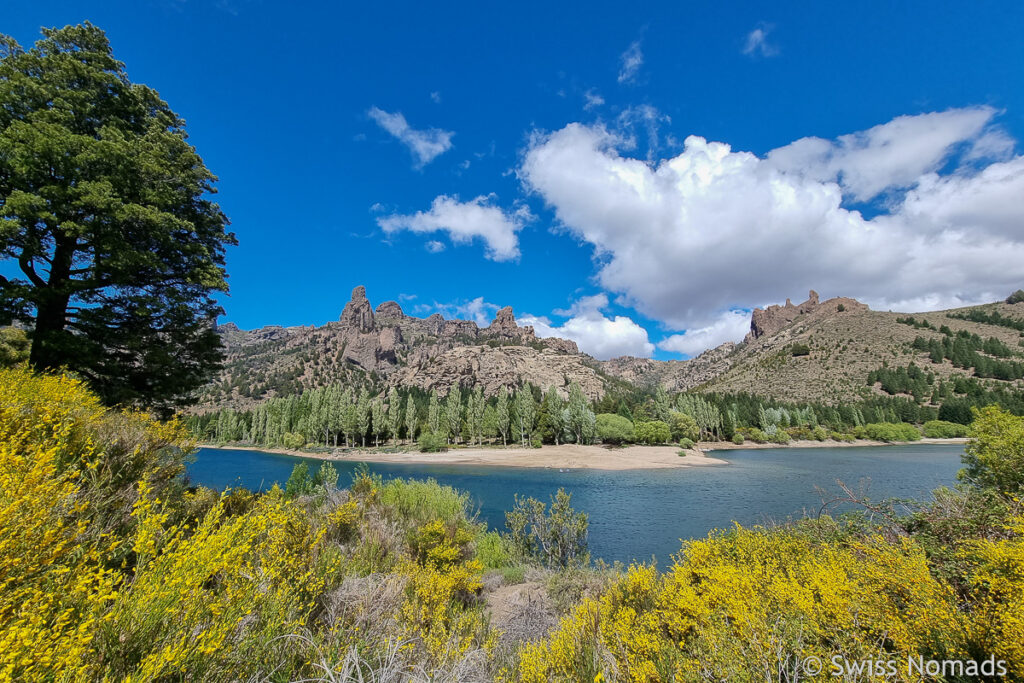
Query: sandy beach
{"points": [[571, 456], [568, 456]]}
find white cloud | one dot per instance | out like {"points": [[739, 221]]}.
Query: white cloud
{"points": [[434, 247], [757, 42], [730, 326], [713, 230], [435, 97], [425, 145], [592, 100], [893, 155], [602, 337], [479, 311], [630, 62], [466, 221]]}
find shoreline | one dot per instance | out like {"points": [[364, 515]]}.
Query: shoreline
{"points": [[571, 456]]}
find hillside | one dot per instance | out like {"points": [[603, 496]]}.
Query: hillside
{"points": [[813, 351]]}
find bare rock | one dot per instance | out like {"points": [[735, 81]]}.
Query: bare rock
{"points": [[765, 322], [390, 310], [459, 328], [358, 313]]}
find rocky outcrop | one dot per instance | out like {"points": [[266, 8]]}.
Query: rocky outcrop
{"points": [[358, 313], [389, 310], [504, 326], [559, 345], [765, 322]]}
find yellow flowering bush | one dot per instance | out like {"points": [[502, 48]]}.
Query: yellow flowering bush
{"points": [[997, 626], [753, 603]]}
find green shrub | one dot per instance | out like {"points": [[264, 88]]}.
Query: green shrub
{"points": [[683, 426], [738, 439], [819, 433], [651, 433], [293, 440], [940, 429], [430, 442], [995, 455], [614, 429], [299, 482], [780, 436], [757, 436], [421, 501], [557, 538], [1016, 298], [493, 551], [685, 443], [800, 350], [892, 431]]}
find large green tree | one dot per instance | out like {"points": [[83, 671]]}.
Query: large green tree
{"points": [[105, 209]]}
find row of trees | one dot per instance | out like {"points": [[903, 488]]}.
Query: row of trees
{"points": [[335, 415]]}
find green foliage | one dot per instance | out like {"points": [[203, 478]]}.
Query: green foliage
{"points": [[800, 350], [685, 443], [431, 442], [683, 426], [654, 432], [887, 431], [293, 440], [994, 457], [738, 439], [418, 501], [493, 551], [1016, 298], [556, 539], [106, 208], [614, 429], [940, 429], [14, 346], [989, 317]]}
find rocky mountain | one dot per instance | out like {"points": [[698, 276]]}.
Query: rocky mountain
{"points": [[385, 347], [815, 350]]}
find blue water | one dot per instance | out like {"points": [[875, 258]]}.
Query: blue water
{"points": [[640, 514]]}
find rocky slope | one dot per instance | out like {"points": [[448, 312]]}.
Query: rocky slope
{"points": [[384, 347]]}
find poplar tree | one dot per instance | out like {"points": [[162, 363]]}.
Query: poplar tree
{"points": [[394, 413], [434, 413], [380, 421], [411, 419], [502, 417], [363, 414], [526, 414], [453, 412]]}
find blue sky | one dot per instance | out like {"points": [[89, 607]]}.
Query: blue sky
{"points": [[460, 156]]}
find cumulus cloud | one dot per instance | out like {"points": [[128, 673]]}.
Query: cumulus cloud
{"points": [[757, 42], [601, 336], [466, 221], [425, 145], [729, 326], [689, 239], [630, 62], [434, 247]]}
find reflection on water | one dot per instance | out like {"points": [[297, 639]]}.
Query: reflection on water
{"points": [[640, 514]]}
